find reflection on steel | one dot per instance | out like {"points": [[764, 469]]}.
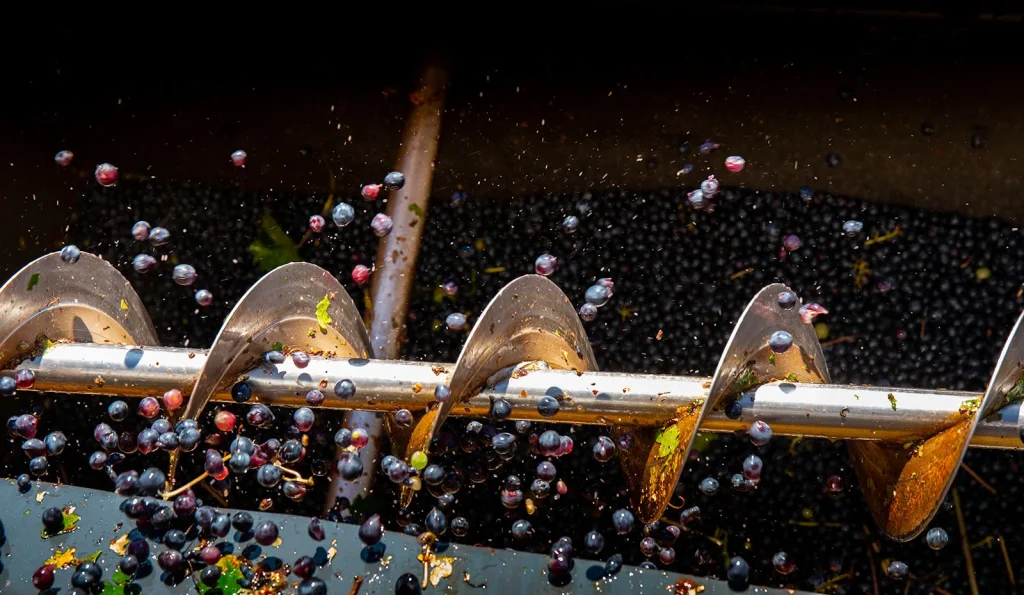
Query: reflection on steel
{"points": [[836, 412], [906, 444], [283, 307], [86, 301], [397, 255], [529, 320]]}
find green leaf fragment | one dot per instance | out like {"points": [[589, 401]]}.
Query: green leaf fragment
{"points": [[70, 524], [230, 574], [273, 247], [668, 440], [415, 208], [892, 401], [322, 317], [120, 578], [33, 281], [110, 588], [279, 346]]}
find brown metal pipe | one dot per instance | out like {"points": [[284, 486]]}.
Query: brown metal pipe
{"points": [[398, 252]]}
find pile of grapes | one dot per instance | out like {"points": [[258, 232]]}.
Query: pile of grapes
{"points": [[915, 299]]}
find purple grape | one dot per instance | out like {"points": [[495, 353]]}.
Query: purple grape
{"points": [[780, 341], [98, 460], [648, 547], [316, 530], [501, 409], [149, 407], [545, 264], [783, 563], [372, 530], [147, 440], [436, 522], [709, 486], [158, 236], [381, 225], [143, 263], [786, 300], [622, 520], [170, 561], [38, 466], [547, 406], [597, 295], [394, 180], [549, 443], [350, 466], [268, 475], [604, 449], [259, 416], [168, 441], [204, 297], [625, 442], [265, 533], [760, 433], [273, 357], [504, 443], [303, 419], [33, 448], [588, 312], [25, 425], [118, 410], [127, 483], [738, 573], [70, 254], [456, 321], [522, 529], [403, 418], [140, 231], [752, 466], [346, 389], [897, 570]]}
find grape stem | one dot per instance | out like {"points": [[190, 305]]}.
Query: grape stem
{"points": [[182, 489], [296, 476]]}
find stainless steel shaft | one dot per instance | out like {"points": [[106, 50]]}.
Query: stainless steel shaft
{"points": [[602, 398]]}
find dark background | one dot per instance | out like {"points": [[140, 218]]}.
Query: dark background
{"points": [[545, 106], [540, 100]]}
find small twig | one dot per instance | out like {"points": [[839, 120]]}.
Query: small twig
{"points": [[297, 477], [1006, 558], [871, 563], [924, 321], [187, 486], [213, 493], [963, 542], [978, 479], [839, 340], [356, 583], [426, 566]]}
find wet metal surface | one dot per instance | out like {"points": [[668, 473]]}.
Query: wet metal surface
{"points": [[834, 412], [88, 301], [474, 569]]}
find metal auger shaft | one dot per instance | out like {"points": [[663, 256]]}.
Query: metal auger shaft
{"points": [[598, 398]]}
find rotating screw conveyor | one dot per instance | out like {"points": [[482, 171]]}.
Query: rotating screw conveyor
{"points": [[906, 444]]}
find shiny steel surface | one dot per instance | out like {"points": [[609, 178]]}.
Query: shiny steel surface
{"points": [[530, 319], [397, 255], [834, 412], [87, 301], [654, 465], [904, 487], [279, 308]]}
